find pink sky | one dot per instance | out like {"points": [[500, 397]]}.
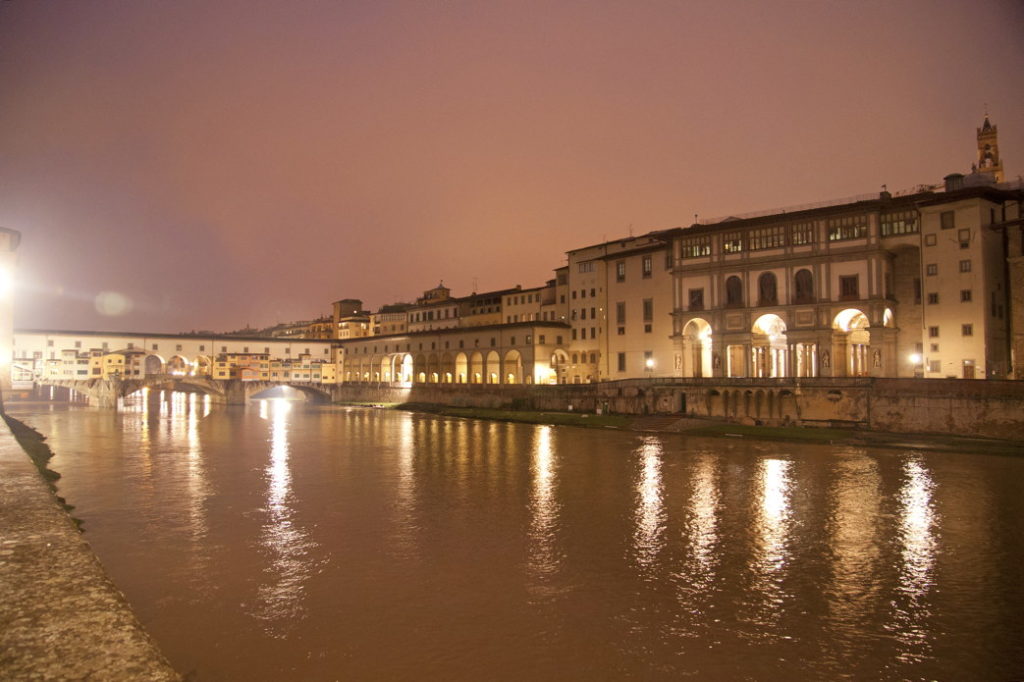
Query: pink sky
{"points": [[231, 163]]}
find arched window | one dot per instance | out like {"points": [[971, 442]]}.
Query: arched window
{"points": [[767, 289], [733, 291], [593, 358], [804, 285], [575, 358]]}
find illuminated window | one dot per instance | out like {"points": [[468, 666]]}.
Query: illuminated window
{"points": [[620, 271], [847, 227], [899, 222], [732, 242], [695, 247], [801, 234], [646, 266]]}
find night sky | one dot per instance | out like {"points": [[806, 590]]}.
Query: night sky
{"points": [[214, 164]]}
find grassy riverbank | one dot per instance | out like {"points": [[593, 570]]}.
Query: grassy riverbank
{"points": [[593, 421], [715, 428]]}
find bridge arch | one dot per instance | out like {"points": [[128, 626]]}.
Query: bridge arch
{"points": [[153, 364], [512, 368], [476, 368], [178, 365], [256, 390]]}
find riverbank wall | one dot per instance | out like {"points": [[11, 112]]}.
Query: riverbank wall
{"points": [[993, 409], [61, 618]]}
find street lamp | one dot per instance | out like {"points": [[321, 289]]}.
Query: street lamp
{"points": [[649, 364], [916, 359]]}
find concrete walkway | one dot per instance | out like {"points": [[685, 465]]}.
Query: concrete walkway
{"points": [[61, 618]]}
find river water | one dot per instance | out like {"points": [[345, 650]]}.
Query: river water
{"points": [[289, 542]]}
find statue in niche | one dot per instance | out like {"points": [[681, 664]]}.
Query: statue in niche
{"points": [[826, 360], [716, 360], [876, 358]]}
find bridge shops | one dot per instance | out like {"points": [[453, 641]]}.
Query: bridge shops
{"points": [[88, 355], [517, 353]]}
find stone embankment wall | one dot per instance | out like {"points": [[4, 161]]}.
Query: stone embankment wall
{"points": [[978, 408], [61, 618]]}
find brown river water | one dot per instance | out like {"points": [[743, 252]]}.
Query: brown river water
{"points": [[282, 541]]}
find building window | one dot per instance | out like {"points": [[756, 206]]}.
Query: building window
{"points": [[767, 238], [620, 271], [177, 347], [964, 237], [573, 295], [967, 330], [49, 343], [573, 334], [933, 298], [732, 242], [849, 287], [622, 362], [965, 295], [931, 269], [620, 312], [767, 289], [947, 220], [801, 234], [900, 222], [804, 285], [697, 299], [646, 266], [733, 292], [933, 332], [583, 313], [930, 240], [934, 366], [965, 265], [157, 347], [847, 227], [586, 267], [648, 310], [695, 247]]}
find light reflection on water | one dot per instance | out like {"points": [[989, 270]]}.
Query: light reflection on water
{"points": [[281, 595], [544, 556], [917, 559], [366, 544], [771, 553], [648, 538]]}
